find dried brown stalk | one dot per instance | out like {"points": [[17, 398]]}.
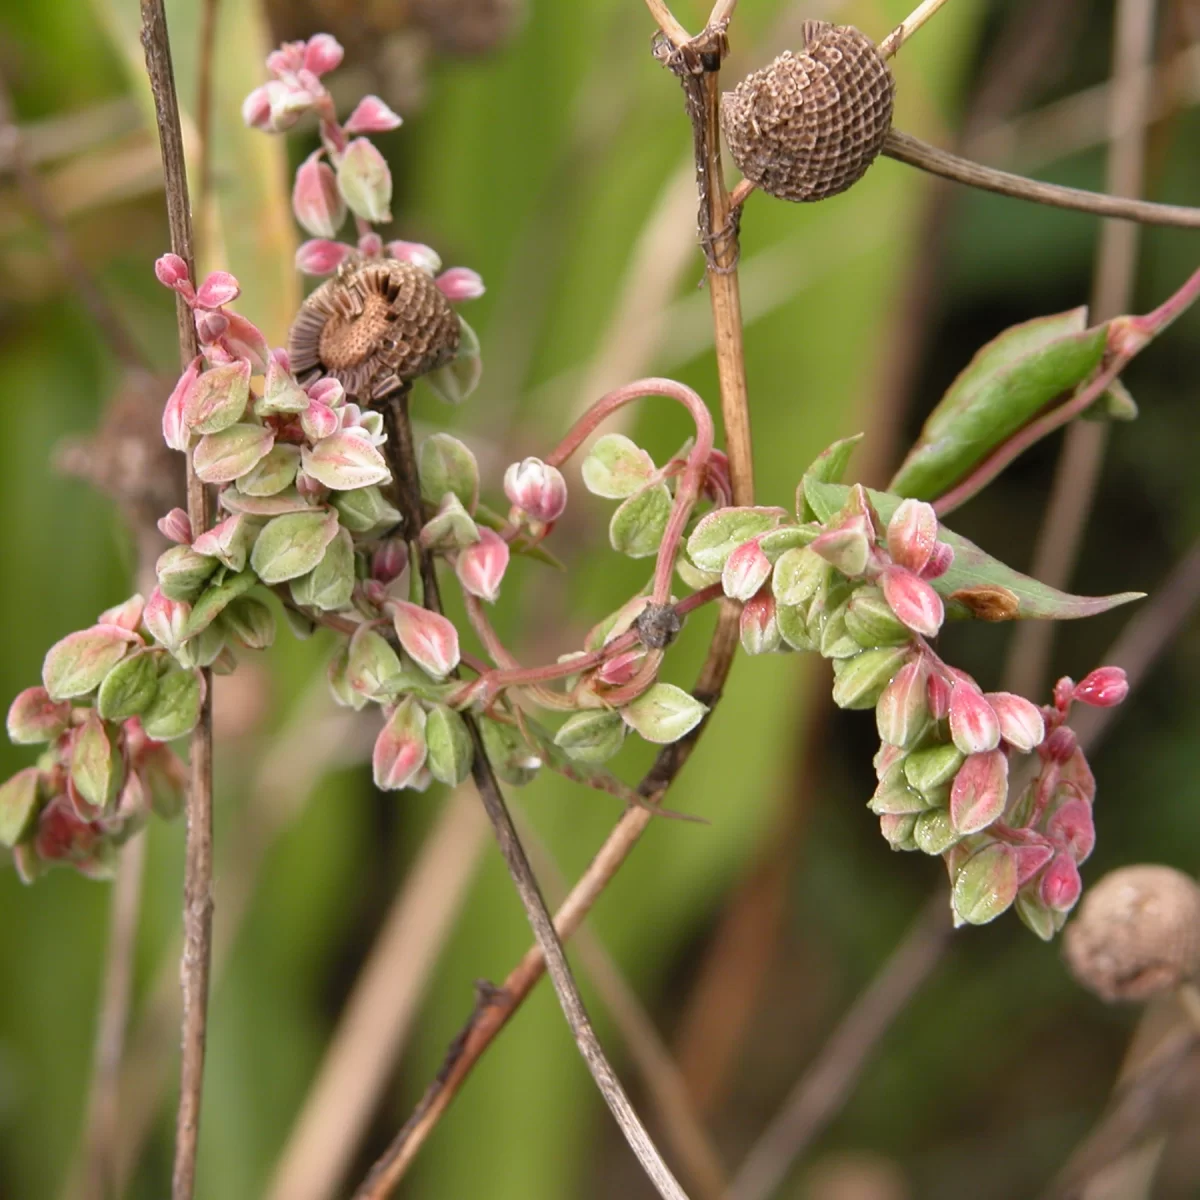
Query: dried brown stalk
{"points": [[197, 884], [909, 26]]}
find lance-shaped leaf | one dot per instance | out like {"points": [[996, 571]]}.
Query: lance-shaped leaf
{"points": [[637, 527], [97, 769], [828, 467], [985, 885], [976, 584], [292, 545], [1004, 386]]}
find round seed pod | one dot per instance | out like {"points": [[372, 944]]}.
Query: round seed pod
{"points": [[374, 327], [1137, 933], [810, 124]]}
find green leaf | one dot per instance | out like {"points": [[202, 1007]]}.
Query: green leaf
{"points": [[978, 585], [330, 584], [616, 467], [18, 805], [212, 603], [129, 688], [828, 467], [664, 713], [79, 663], [176, 707], [292, 545], [1005, 386], [637, 527], [591, 737], [454, 382], [720, 533]]}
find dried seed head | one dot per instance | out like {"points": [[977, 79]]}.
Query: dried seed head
{"points": [[374, 326], [465, 28], [810, 124], [1137, 933]]}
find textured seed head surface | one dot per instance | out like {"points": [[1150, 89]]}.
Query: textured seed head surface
{"points": [[374, 326], [1137, 933], [810, 124]]}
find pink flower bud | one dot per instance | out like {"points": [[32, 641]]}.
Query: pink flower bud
{"points": [[460, 283], [1064, 693], [328, 391], [913, 601], [538, 490], [979, 792], [400, 749], [315, 199], [428, 637], [745, 571], [166, 619], [1060, 745], [912, 534], [1021, 723], [1076, 775], [940, 561], [1031, 859], [759, 624], [480, 567], [127, 615], [172, 272], [319, 421], [1061, 885], [288, 59], [1072, 829], [246, 340], [308, 487], [621, 668], [365, 181], [939, 697], [1105, 687], [389, 561], [902, 711], [974, 727], [371, 115], [176, 433], [371, 245], [256, 108], [321, 257], [417, 254], [847, 546], [210, 326], [218, 288], [287, 104], [322, 53]]}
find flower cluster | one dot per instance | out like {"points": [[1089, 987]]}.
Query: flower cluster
{"points": [[861, 593]]}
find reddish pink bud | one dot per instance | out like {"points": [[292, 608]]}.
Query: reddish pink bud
{"points": [[1031, 859], [621, 668], [939, 697], [321, 257], [974, 727], [745, 571], [428, 637], [1072, 829], [979, 791], [759, 624], [62, 836], [210, 326], [1021, 723], [372, 116], [177, 526], [912, 534], [389, 561], [400, 749], [172, 272], [370, 244], [218, 288], [127, 615], [1060, 745], [256, 108], [1064, 692], [886, 757], [1077, 775], [1105, 687], [913, 601], [319, 421], [286, 104], [419, 255], [902, 711], [327, 391], [536, 489], [175, 429], [316, 201], [322, 53], [288, 59], [246, 340], [480, 567], [460, 283], [1061, 885], [166, 619], [939, 562], [847, 546]]}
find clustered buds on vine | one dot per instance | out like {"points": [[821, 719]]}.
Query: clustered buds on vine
{"points": [[808, 125]]}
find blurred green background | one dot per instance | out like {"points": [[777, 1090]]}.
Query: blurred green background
{"points": [[557, 164]]}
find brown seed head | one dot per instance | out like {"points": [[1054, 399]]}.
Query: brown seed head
{"points": [[810, 124], [1137, 933], [374, 326]]}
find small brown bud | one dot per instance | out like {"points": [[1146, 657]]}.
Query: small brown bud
{"points": [[1137, 933], [374, 327], [810, 124]]}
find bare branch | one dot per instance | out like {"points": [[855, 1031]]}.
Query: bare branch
{"points": [[909, 26]]}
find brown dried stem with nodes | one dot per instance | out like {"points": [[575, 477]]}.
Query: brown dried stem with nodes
{"points": [[197, 884]]}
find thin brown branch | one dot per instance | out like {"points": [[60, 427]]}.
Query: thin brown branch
{"points": [[402, 459], [77, 275], [1078, 473], [197, 884], [824, 1087], [916, 153], [909, 26], [665, 20], [100, 1137], [380, 1011]]}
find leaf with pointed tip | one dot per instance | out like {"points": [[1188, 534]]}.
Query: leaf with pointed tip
{"points": [[978, 585], [829, 466]]}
